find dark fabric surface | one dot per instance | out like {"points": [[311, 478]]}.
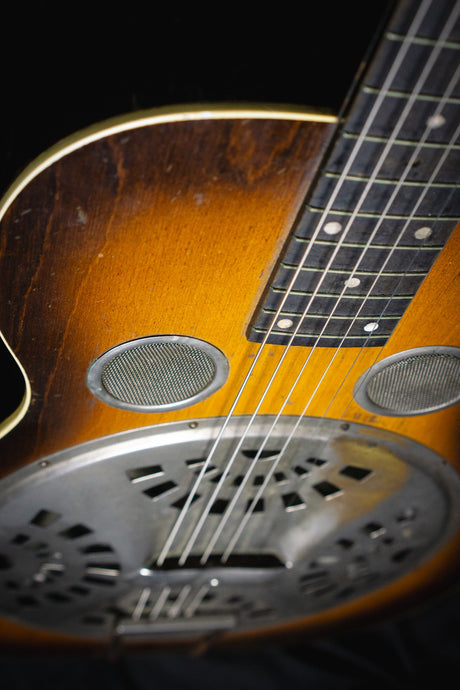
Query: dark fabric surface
{"points": [[421, 650]]}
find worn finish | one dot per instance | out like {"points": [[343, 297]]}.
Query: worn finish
{"points": [[175, 228], [175, 237]]}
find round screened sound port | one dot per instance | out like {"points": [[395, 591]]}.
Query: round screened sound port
{"points": [[158, 373], [418, 381]]}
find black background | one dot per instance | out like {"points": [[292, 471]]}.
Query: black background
{"points": [[66, 69], [414, 651]]}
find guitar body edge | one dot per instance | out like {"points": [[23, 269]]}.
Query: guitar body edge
{"points": [[172, 223]]}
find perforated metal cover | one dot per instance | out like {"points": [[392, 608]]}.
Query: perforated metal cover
{"points": [[412, 382], [158, 373], [339, 513]]}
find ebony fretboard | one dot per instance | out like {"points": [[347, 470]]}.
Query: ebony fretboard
{"points": [[408, 234]]}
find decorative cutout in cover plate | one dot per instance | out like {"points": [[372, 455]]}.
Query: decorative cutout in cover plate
{"points": [[338, 512]]}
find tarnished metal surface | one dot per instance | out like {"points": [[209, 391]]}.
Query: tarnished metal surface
{"points": [[343, 510]]}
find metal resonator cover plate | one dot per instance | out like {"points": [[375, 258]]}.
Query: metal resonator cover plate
{"points": [[337, 512]]}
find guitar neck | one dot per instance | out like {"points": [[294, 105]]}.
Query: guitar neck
{"points": [[386, 198]]}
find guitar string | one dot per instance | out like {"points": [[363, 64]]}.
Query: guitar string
{"points": [[239, 491], [407, 169], [398, 60], [231, 544]]}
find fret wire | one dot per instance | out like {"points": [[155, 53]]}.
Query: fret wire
{"points": [[345, 297], [399, 142], [369, 214], [337, 271], [429, 42], [398, 307], [404, 95], [323, 316], [325, 336], [299, 334], [384, 181], [313, 340], [357, 245]]}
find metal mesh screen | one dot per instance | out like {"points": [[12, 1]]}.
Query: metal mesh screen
{"points": [[158, 373], [417, 383]]}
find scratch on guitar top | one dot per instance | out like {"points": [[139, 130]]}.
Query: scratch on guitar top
{"points": [[22, 214], [82, 216]]}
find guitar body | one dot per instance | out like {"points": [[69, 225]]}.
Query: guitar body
{"points": [[200, 225], [179, 236], [172, 223]]}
